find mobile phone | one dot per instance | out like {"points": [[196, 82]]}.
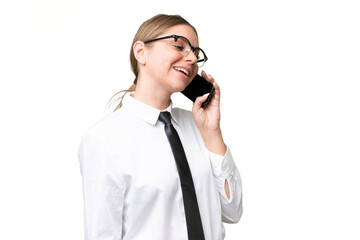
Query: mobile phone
{"points": [[198, 87]]}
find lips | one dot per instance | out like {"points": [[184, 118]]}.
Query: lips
{"points": [[184, 70]]}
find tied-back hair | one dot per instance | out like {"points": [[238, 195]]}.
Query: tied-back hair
{"points": [[150, 29]]}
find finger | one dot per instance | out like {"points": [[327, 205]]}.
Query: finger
{"points": [[208, 77], [216, 86], [205, 75], [211, 79], [200, 100]]}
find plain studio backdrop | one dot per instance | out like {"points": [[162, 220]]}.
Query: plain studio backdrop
{"points": [[289, 75]]}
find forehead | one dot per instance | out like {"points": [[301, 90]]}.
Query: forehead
{"points": [[183, 30]]}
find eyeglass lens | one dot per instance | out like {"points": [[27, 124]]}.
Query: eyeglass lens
{"points": [[183, 46]]}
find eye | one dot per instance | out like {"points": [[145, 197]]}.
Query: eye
{"points": [[178, 47]]}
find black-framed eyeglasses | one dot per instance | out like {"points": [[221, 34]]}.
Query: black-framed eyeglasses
{"points": [[183, 45]]}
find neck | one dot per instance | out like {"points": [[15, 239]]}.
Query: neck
{"points": [[152, 95]]}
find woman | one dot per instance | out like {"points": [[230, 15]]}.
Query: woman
{"points": [[132, 186]]}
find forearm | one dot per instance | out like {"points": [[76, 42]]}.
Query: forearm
{"points": [[214, 141], [228, 181]]}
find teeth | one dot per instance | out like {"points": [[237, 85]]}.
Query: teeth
{"points": [[182, 70]]}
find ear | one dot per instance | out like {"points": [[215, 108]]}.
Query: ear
{"points": [[139, 52]]}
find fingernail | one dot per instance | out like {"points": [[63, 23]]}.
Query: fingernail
{"points": [[206, 94]]}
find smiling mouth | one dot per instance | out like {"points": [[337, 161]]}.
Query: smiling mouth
{"points": [[182, 70]]}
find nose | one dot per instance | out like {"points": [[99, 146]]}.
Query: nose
{"points": [[191, 57]]}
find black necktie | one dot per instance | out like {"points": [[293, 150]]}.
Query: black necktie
{"points": [[193, 219]]}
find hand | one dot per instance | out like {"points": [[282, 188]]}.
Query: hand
{"points": [[208, 119]]}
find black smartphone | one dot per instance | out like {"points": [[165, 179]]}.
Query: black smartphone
{"points": [[198, 87]]}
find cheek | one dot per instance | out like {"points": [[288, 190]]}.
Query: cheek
{"points": [[174, 57], [195, 71], [169, 59]]}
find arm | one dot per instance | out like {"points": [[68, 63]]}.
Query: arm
{"points": [[103, 198], [225, 172]]}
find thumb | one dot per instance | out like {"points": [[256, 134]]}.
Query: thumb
{"points": [[199, 101]]}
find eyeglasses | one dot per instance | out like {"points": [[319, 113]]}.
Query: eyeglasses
{"points": [[183, 45]]}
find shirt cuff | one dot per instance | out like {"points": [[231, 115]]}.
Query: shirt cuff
{"points": [[223, 166]]}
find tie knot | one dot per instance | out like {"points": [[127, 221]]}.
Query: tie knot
{"points": [[165, 117]]}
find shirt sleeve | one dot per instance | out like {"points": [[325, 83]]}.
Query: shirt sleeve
{"points": [[224, 168], [103, 198]]}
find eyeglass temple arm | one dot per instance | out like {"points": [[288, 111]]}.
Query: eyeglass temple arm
{"points": [[176, 37], [161, 38]]}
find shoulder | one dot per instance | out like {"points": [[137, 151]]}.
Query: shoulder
{"points": [[103, 141], [112, 127]]}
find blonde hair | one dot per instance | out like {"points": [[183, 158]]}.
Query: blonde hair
{"points": [[150, 29]]}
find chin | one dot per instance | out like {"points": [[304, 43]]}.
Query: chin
{"points": [[179, 85], [178, 88]]}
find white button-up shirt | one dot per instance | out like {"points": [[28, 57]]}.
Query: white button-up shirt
{"points": [[131, 184]]}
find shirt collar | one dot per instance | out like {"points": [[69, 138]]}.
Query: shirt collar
{"points": [[143, 111]]}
